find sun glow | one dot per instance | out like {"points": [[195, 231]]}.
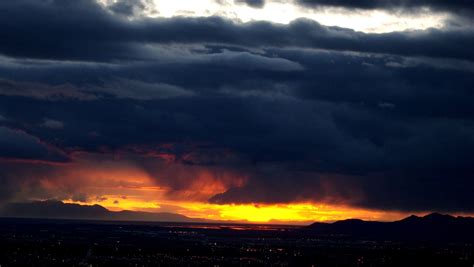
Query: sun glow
{"points": [[295, 213], [283, 213], [118, 203], [121, 185]]}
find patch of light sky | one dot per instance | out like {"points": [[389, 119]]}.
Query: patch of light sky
{"points": [[278, 11]]}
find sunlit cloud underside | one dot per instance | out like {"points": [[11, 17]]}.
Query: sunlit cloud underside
{"points": [[120, 185]]}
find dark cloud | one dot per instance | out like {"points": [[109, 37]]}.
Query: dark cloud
{"points": [[41, 91], [26, 179], [306, 139], [140, 90], [131, 7], [438, 5], [276, 113], [406, 174], [253, 3], [68, 30], [53, 124], [18, 145]]}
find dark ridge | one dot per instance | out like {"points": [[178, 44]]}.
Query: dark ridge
{"points": [[52, 209], [432, 227]]}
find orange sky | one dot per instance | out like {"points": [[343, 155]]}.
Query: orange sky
{"points": [[295, 213], [119, 184]]}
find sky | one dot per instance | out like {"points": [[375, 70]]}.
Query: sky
{"points": [[259, 111]]}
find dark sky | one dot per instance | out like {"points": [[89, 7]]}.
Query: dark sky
{"points": [[301, 111]]}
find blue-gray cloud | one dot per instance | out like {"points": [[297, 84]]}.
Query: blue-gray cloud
{"points": [[68, 30], [305, 111]]}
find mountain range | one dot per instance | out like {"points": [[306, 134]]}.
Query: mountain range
{"points": [[431, 227], [52, 209]]}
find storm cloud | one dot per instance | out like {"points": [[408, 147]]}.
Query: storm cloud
{"points": [[253, 3], [18, 145], [68, 30], [274, 113], [439, 5]]}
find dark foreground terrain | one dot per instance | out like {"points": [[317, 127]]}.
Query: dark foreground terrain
{"points": [[25, 242]]}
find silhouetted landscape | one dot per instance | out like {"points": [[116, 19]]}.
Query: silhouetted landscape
{"points": [[432, 227], [432, 240], [52, 209]]}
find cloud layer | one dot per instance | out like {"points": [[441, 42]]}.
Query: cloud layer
{"points": [[266, 113], [437, 5]]}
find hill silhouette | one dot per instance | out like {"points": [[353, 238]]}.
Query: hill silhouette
{"points": [[431, 227], [52, 209]]}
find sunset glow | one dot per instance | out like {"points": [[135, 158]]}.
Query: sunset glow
{"points": [[118, 184], [298, 213]]}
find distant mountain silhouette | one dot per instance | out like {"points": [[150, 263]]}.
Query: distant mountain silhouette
{"points": [[431, 227], [51, 209]]}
